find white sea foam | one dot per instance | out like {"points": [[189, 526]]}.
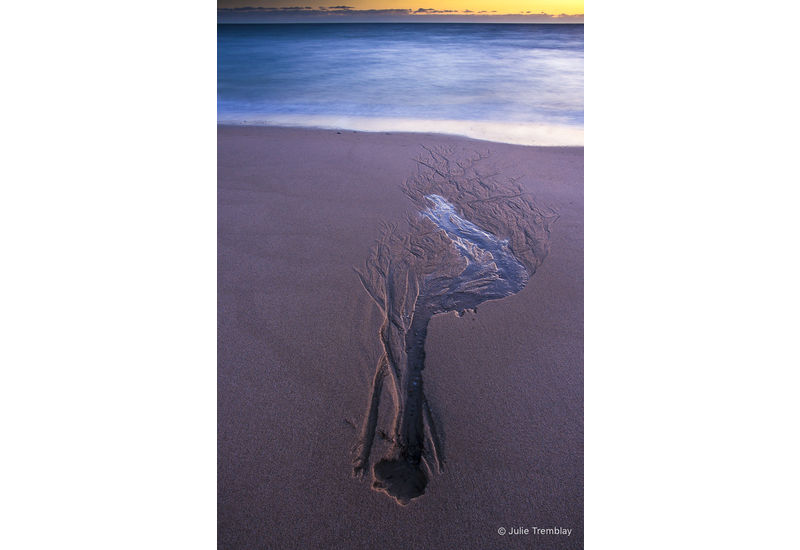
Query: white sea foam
{"points": [[500, 132]]}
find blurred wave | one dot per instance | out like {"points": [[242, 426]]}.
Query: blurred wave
{"points": [[488, 73]]}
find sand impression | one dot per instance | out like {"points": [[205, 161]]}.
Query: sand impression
{"points": [[475, 238]]}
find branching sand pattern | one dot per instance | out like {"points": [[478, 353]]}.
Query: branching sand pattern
{"points": [[475, 239]]}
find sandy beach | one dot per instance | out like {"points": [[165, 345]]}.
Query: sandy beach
{"points": [[300, 211]]}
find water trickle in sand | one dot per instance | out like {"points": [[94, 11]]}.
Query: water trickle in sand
{"points": [[475, 239]]}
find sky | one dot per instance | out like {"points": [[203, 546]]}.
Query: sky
{"points": [[523, 11]]}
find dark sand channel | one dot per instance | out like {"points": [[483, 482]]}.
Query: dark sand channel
{"points": [[299, 211]]}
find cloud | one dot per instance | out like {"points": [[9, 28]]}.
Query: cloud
{"points": [[431, 10], [350, 14]]}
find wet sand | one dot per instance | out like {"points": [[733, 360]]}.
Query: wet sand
{"points": [[299, 211]]}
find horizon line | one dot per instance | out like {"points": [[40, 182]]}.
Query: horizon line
{"points": [[350, 15]]}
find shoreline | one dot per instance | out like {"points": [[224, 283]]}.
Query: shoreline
{"points": [[533, 135]]}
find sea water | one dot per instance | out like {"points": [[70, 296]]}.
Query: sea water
{"points": [[512, 83]]}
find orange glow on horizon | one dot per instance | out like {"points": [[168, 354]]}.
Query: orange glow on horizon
{"points": [[552, 7]]}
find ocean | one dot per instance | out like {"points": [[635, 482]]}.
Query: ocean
{"points": [[511, 83]]}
